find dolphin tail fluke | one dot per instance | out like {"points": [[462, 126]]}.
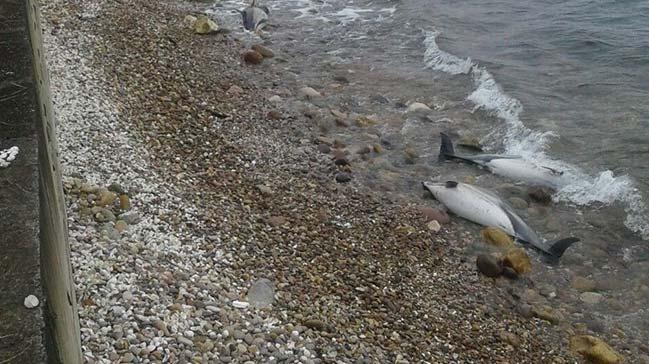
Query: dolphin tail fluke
{"points": [[446, 150], [559, 247]]}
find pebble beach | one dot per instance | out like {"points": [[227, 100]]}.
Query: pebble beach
{"points": [[212, 221]]}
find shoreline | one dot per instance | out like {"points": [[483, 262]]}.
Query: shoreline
{"points": [[351, 270]]}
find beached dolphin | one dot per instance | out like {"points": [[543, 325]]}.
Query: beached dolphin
{"points": [[485, 208], [255, 17], [511, 166]]}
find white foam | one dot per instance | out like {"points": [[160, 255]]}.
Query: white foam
{"points": [[439, 60], [581, 188]]}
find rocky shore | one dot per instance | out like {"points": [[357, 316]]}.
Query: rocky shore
{"points": [[212, 223]]}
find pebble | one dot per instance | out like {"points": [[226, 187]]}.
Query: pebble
{"points": [[252, 57], [433, 225], [324, 148], [240, 304], [489, 266], [263, 50], [275, 99], [435, 214], [591, 298], [540, 194], [308, 93], [31, 301], [417, 106], [130, 218], [261, 293], [343, 177], [583, 284]]}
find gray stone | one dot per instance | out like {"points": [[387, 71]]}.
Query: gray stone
{"points": [[343, 177], [103, 215], [489, 266], [261, 294], [518, 203], [591, 298], [308, 93], [131, 218]]}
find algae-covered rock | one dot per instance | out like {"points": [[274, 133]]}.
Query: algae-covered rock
{"points": [[547, 313], [595, 350], [519, 260], [497, 237]]}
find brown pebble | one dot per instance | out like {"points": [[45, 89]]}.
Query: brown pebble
{"points": [[435, 214], [540, 194], [253, 57], [274, 115], [343, 177], [324, 148], [263, 50], [489, 266], [124, 202]]}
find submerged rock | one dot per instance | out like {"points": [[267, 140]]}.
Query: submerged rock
{"points": [[591, 298], [308, 93], [261, 294], [540, 194], [497, 237], [263, 50], [518, 203], [519, 260], [583, 284], [252, 57], [489, 266], [418, 107], [470, 142], [595, 350], [547, 313]]}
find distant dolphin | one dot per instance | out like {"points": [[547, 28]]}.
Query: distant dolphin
{"points": [[255, 17], [511, 166], [485, 208]]}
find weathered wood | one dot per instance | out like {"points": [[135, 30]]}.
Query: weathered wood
{"points": [[61, 310]]}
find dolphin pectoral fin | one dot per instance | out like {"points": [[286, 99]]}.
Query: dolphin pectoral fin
{"points": [[559, 247]]}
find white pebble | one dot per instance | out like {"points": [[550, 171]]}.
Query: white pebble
{"points": [[31, 301], [240, 304]]}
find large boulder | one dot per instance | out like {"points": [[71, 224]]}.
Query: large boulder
{"points": [[595, 350], [205, 25]]}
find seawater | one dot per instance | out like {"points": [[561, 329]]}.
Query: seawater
{"points": [[562, 83]]}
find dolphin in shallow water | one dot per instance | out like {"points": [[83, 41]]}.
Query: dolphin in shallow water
{"points": [[511, 166], [485, 208], [255, 17]]}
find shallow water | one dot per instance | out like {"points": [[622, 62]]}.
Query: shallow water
{"points": [[561, 83]]}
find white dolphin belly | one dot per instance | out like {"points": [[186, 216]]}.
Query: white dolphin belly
{"points": [[521, 170], [470, 204]]}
